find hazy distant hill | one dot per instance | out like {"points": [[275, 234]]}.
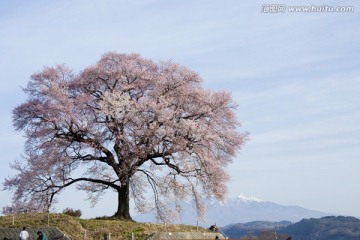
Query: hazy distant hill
{"points": [[241, 210], [326, 228], [238, 230]]}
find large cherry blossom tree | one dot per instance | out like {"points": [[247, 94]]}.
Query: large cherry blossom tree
{"points": [[149, 131]]}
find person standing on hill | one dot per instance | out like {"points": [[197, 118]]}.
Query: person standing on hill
{"points": [[24, 235]]}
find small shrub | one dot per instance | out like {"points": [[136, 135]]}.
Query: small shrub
{"points": [[72, 212]]}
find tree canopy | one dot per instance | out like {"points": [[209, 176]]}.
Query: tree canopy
{"points": [[128, 124]]}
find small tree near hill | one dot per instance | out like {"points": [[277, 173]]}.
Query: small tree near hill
{"points": [[72, 212], [146, 130]]}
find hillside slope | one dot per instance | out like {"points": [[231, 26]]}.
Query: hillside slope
{"points": [[80, 229]]}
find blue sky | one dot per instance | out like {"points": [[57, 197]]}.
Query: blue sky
{"points": [[295, 76]]}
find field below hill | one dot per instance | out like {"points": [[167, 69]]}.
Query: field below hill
{"points": [[83, 229]]}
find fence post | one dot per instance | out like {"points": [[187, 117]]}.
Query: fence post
{"points": [[13, 220], [132, 236], [84, 234]]}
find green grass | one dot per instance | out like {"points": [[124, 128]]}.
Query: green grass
{"points": [[77, 228]]}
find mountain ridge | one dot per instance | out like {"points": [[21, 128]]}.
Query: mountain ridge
{"points": [[240, 210]]}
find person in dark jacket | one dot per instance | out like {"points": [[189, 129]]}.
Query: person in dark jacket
{"points": [[41, 236]]}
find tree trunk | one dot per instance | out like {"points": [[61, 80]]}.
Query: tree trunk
{"points": [[123, 211]]}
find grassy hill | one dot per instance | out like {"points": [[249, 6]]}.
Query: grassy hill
{"points": [[80, 229]]}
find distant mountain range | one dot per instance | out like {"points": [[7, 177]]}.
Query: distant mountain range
{"points": [[325, 228], [242, 209]]}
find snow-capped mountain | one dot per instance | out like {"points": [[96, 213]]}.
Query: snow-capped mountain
{"points": [[247, 199], [240, 210]]}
